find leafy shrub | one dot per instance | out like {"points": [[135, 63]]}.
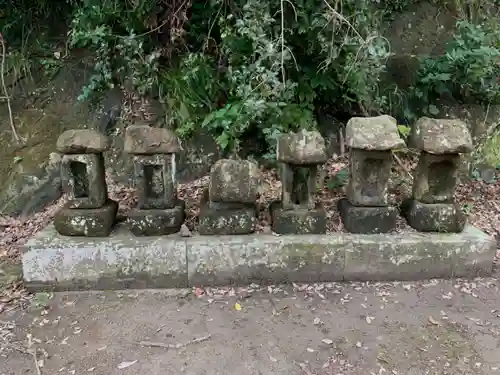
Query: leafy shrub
{"points": [[248, 70], [469, 69], [268, 68]]}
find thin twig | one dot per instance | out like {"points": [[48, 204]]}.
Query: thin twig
{"points": [[38, 371], [18, 348], [304, 368], [343, 19], [174, 346], [282, 42], [341, 142], [400, 162], [6, 93]]}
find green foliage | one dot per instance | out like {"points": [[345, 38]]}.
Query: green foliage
{"points": [[42, 300], [404, 131], [270, 67], [116, 32], [469, 69], [249, 70], [338, 180]]}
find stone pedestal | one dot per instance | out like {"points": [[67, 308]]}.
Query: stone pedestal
{"points": [[228, 206], [300, 155], [88, 212], [297, 220], [366, 209], [86, 222], [158, 211], [157, 222], [432, 207], [434, 217], [365, 219]]}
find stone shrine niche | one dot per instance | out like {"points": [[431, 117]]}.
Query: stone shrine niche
{"points": [[432, 207], [300, 154], [155, 177], [158, 211], [371, 141], [83, 179], [89, 212], [229, 205]]}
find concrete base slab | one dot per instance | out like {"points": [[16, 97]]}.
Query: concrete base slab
{"points": [[54, 262]]}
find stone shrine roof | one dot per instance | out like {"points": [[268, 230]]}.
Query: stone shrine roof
{"points": [[379, 133], [441, 136], [146, 140]]}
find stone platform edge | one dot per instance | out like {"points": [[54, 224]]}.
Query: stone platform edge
{"points": [[122, 261]]}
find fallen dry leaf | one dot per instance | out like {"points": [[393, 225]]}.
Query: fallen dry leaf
{"points": [[126, 364], [433, 321]]}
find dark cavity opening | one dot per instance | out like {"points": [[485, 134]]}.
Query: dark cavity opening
{"points": [[81, 179], [300, 192], [153, 175]]}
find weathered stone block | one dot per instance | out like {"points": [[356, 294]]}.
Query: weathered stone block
{"points": [[145, 140], [155, 178], [411, 256], [234, 181], [93, 222], [367, 219], [265, 259], [378, 133], [298, 220], [205, 199], [156, 222], [224, 222], [439, 217], [121, 261], [82, 141], [435, 178], [54, 262], [441, 136], [84, 180], [369, 177], [302, 148]]}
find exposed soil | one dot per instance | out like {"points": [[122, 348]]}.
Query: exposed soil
{"points": [[437, 327]]}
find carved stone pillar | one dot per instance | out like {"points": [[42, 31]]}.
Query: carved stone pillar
{"points": [[366, 208], [158, 211], [89, 212], [432, 207], [300, 154], [229, 204]]}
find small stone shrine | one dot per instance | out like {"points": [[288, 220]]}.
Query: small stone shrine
{"points": [[89, 212], [158, 211], [229, 204], [432, 207], [300, 154], [366, 208]]}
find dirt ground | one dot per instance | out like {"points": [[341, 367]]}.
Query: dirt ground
{"points": [[433, 327]]}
